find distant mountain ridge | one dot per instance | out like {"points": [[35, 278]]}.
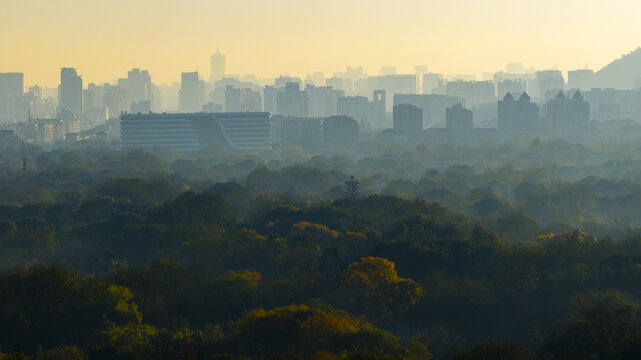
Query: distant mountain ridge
{"points": [[621, 73]]}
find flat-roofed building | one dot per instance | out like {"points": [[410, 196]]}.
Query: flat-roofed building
{"points": [[196, 131]]}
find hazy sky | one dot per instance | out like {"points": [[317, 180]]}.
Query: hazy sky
{"points": [[105, 38]]}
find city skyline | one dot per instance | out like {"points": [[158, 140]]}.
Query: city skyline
{"points": [[260, 38]]}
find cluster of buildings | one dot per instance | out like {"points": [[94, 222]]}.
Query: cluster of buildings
{"points": [[251, 113]]}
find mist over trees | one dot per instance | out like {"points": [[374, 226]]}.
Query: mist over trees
{"points": [[512, 250]]}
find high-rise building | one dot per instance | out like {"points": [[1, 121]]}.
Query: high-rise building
{"points": [[217, 66], [188, 98], [138, 86], [239, 100], [517, 117], [356, 107], [396, 84], [340, 131], [473, 92], [378, 110], [431, 82], [549, 82], [408, 118], [565, 114], [433, 106], [12, 104], [321, 101], [581, 79], [459, 118], [513, 86], [292, 101], [70, 91]]}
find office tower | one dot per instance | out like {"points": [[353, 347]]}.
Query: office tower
{"points": [[292, 101], [316, 79], [89, 98], [517, 117], [408, 118], [513, 86], [433, 106], [458, 118], [548, 83], [581, 79], [321, 101], [70, 93], [378, 109], [346, 85], [188, 99], [579, 112], [270, 99], [431, 82], [217, 66], [195, 131], [239, 100], [12, 103], [396, 84], [565, 114], [473, 92], [356, 107], [420, 71], [281, 81], [138, 86], [340, 131]]}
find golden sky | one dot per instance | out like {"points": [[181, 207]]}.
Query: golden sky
{"points": [[105, 38]]}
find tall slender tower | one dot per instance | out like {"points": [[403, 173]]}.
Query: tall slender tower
{"points": [[217, 66], [70, 91]]}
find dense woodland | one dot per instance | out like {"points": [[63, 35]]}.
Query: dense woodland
{"points": [[496, 251]]}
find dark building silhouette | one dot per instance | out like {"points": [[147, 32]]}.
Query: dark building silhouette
{"points": [[458, 118], [408, 118], [70, 91], [292, 101], [517, 117], [378, 109], [433, 106], [340, 131], [565, 114], [289, 132]]}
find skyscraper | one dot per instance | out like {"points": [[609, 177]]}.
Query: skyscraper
{"points": [[189, 95], [408, 118], [217, 66], [292, 101], [12, 106], [70, 91], [459, 118], [516, 117]]}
